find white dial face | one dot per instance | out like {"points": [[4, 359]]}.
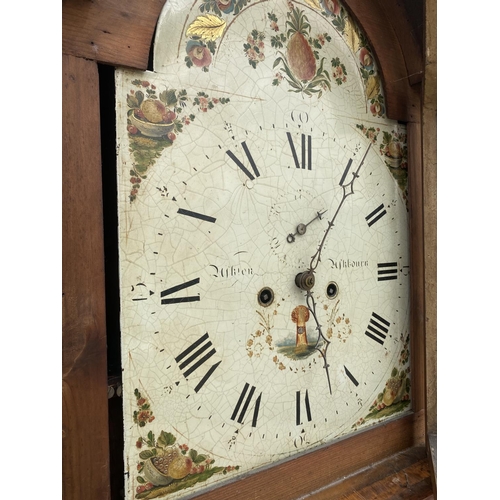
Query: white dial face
{"points": [[235, 190]]}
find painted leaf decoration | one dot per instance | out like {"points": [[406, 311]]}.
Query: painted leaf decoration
{"points": [[168, 97], [314, 4], [351, 36], [208, 27], [135, 101], [372, 87], [146, 454], [165, 439], [132, 101], [140, 96]]}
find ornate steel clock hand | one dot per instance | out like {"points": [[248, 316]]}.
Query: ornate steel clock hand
{"points": [[322, 342], [302, 228], [305, 280], [347, 190]]}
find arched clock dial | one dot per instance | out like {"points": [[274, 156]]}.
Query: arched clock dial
{"points": [[263, 243]]}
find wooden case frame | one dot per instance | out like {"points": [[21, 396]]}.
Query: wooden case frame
{"points": [[120, 33]]}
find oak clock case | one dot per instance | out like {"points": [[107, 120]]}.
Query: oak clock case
{"points": [[263, 243]]}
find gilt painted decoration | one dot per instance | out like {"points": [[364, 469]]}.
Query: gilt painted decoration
{"points": [[263, 231]]}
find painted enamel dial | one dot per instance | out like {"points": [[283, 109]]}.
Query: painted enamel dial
{"points": [[263, 243]]}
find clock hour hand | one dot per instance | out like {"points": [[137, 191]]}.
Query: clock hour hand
{"points": [[302, 228], [347, 190]]}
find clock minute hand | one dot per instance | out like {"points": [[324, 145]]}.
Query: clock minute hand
{"points": [[347, 190]]}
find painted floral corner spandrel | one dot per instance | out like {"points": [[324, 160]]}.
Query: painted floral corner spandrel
{"points": [[300, 64], [299, 56], [163, 465], [393, 149], [154, 120], [396, 394], [303, 66], [143, 415]]}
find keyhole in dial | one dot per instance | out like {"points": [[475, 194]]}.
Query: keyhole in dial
{"points": [[332, 290], [265, 297]]}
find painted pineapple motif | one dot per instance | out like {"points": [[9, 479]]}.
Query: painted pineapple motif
{"points": [[301, 66], [300, 55]]}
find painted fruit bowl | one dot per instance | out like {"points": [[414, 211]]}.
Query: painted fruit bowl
{"points": [[393, 155], [392, 162], [151, 129], [154, 475], [168, 465]]}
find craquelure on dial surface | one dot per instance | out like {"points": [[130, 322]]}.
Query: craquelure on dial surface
{"points": [[263, 243]]}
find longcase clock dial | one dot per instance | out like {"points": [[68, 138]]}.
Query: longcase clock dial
{"points": [[263, 243]]}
